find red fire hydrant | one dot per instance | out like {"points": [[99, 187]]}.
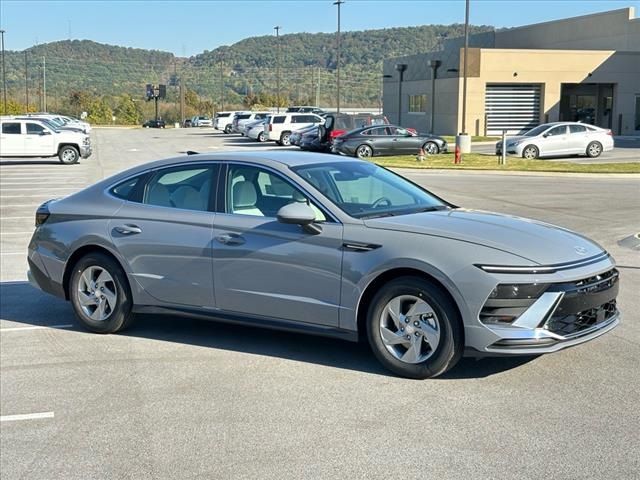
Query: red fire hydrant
{"points": [[458, 156]]}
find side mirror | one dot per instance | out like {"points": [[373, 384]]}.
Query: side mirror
{"points": [[545, 135], [299, 214], [45, 132]]}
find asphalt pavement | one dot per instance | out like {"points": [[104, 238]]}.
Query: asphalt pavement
{"points": [[180, 398]]}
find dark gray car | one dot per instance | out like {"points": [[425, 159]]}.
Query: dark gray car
{"points": [[310, 243], [382, 140]]}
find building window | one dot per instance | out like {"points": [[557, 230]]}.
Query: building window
{"points": [[417, 103], [637, 119]]}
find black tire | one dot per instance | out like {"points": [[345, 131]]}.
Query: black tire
{"points": [[121, 316], [68, 155], [431, 148], [227, 129], [451, 343], [530, 152], [261, 138], [364, 151], [285, 139], [594, 149]]}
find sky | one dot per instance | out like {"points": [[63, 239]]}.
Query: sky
{"points": [[189, 27]]}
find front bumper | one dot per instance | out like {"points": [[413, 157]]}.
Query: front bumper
{"points": [[85, 151], [577, 306]]}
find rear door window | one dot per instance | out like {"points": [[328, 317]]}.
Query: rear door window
{"points": [[11, 128], [186, 187], [577, 129]]}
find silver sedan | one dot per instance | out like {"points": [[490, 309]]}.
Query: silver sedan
{"points": [[307, 242]]}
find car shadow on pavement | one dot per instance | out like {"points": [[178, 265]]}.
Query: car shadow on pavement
{"points": [[45, 310], [30, 162]]}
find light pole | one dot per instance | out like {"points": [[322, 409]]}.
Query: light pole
{"points": [[4, 78], [400, 67], [434, 64], [338, 3], [463, 141], [277, 29], [221, 83]]}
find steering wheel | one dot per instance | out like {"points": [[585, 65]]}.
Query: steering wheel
{"points": [[381, 200]]}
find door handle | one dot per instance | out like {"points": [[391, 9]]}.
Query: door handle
{"points": [[128, 229], [230, 239]]}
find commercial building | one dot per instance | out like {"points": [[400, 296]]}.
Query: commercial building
{"points": [[578, 69]]}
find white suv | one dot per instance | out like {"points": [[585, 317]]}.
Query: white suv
{"points": [[37, 137], [279, 126]]}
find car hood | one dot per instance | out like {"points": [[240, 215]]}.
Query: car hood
{"points": [[535, 241]]}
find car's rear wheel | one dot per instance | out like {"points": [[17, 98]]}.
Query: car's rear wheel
{"points": [[431, 148], [364, 151], [285, 139], [530, 152], [68, 155], [100, 294], [261, 137], [414, 328], [594, 149], [227, 129]]}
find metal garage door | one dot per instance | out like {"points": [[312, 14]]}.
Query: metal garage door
{"points": [[512, 106]]}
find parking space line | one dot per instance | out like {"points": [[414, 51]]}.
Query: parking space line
{"points": [[17, 233], [34, 327], [26, 416], [18, 218]]}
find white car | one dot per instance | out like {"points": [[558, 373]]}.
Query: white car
{"points": [[559, 139], [223, 120], [255, 130], [62, 122], [279, 126], [201, 121], [241, 120], [34, 137]]}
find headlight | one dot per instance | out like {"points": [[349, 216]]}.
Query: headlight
{"points": [[507, 302]]}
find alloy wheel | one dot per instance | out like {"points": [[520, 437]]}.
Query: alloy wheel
{"points": [[68, 155], [364, 151], [530, 153], [431, 148], [97, 293], [409, 329], [594, 149]]}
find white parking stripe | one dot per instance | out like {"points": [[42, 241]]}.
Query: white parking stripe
{"points": [[25, 416], [34, 327]]}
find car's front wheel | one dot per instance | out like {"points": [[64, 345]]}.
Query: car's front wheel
{"points": [[594, 149], [530, 152], [227, 129], [100, 294], [431, 148], [414, 328], [68, 155]]}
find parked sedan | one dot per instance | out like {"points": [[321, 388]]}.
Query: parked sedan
{"points": [[154, 124], [302, 242], [559, 139], [386, 140], [255, 131]]}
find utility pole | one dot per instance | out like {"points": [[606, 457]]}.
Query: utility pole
{"points": [[26, 80], [318, 87], [4, 77], [181, 101], [221, 85], [277, 29], [44, 83], [338, 3]]}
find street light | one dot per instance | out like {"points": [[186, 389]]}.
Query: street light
{"points": [[338, 3], [4, 77], [434, 64], [277, 29], [400, 67]]}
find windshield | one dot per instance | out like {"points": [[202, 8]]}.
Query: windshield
{"points": [[534, 132], [50, 124], [364, 190]]}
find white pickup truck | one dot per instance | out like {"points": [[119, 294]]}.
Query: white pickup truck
{"points": [[35, 137]]}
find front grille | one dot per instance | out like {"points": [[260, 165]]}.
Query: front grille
{"points": [[570, 325], [586, 303]]}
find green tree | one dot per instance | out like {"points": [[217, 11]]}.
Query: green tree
{"points": [[99, 112], [127, 111]]}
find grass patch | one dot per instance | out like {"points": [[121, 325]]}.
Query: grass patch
{"points": [[477, 161], [474, 138]]}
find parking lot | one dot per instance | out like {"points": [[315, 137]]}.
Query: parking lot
{"points": [[180, 398]]}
